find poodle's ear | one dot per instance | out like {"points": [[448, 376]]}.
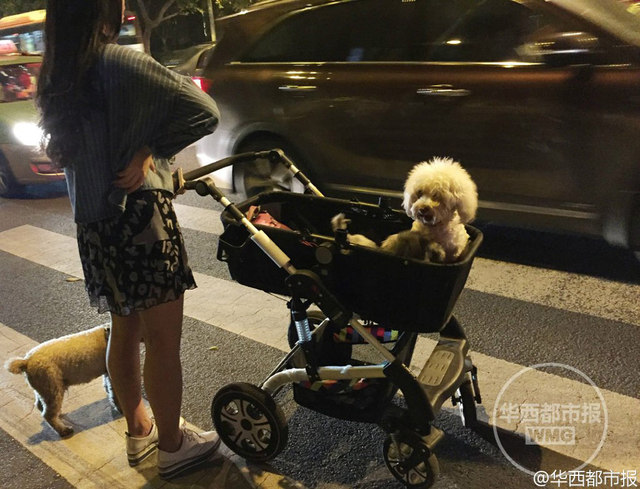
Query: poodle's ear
{"points": [[467, 194], [406, 203], [410, 186], [467, 210]]}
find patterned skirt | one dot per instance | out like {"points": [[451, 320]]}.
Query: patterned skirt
{"points": [[136, 260]]}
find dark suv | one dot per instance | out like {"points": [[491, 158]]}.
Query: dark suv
{"points": [[538, 99]]}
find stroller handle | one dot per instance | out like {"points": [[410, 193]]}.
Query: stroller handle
{"points": [[223, 163], [206, 186], [193, 180], [273, 155]]}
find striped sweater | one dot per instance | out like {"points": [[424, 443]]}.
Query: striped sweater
{"points": [[139, 103]]}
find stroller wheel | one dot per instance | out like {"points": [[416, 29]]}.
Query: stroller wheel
{"points": [[410, 461], [467, 404], [249, 421]]}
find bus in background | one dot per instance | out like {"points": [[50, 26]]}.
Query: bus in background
{"points": [[26, 31]]}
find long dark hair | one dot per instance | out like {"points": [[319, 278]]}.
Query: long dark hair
{"points": [[75, 33]]}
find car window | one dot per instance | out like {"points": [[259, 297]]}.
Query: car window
{"points": [[493, 30], [128, 34], [18, 81], [372, 30], [410, 30]]}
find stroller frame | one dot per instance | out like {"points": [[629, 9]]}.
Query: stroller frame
{"points": [[250, 410]]}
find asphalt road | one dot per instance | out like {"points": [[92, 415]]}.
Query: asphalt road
{"points": [[533, 298]]}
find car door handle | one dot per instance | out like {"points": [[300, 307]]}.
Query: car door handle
{"points": [[297, 88], [443, 91]]}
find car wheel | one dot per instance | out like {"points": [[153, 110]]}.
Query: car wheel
{"points": [[253, 177], [8, 184]]}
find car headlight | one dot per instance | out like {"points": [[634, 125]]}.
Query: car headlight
{"points": [[27, 133]]}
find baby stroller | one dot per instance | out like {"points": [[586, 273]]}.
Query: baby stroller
{"points": [[362, 295]]}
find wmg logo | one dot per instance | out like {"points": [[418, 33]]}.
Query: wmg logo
{"points": [[550, 435]]}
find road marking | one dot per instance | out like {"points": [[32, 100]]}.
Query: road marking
{"points": [[568, 291], [191, 217], [253, 313], [43, 247]]}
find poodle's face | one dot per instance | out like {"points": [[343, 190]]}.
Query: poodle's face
{"points": [[431, 206], [437, 190]]}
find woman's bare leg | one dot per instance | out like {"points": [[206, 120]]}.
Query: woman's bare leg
{"points": [[162, 330], [123, 365]]}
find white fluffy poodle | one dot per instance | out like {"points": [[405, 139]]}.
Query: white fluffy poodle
{"points": [[441, 197], [51, 367]]}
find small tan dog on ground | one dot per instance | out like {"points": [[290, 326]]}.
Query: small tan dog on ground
{"points": [[441, 197], [51, 367]]}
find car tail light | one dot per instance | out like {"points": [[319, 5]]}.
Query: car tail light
{"points": [[203, 83], [45, 168]]}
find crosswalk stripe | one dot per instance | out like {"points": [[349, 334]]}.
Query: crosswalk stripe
{"points": [[44, 248], [191, 217], [577, 293], [586, 295], [263, 318]]}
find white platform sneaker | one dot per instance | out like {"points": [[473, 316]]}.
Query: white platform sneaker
{"points": [[139, 448], [196, 449]]}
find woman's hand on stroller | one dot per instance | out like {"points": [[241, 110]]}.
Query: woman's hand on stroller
{"points": [[178, 182]]}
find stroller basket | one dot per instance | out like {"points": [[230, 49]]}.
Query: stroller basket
{"points": [[365, 403], [405, 294]]}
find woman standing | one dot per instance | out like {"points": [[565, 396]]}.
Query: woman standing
{"points": [[113, 118]]}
